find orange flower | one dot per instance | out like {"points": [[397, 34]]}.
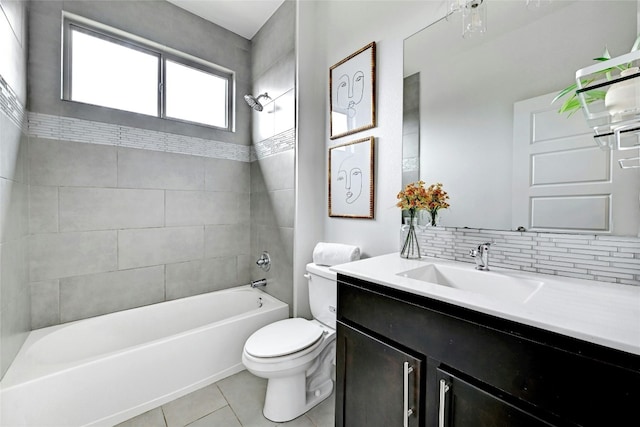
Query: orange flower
{"points": [[415, 197]]}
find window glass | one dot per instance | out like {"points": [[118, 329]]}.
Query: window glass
{"points": [[110, 68], [112, 75], [195, 95]]}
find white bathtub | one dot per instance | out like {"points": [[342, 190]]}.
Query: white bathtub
{"points": [[104, 370]]}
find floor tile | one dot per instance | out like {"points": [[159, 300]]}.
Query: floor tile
{"points": [[221, 418], [236, 401], [153, 418], [193, 406], [323, 415], [301, 421], [245, 393]]}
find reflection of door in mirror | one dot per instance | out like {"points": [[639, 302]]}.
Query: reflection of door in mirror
{"points": [[467, 91], [562, 181]]}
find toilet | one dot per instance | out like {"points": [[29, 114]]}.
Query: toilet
{"points": [[297, 355]]}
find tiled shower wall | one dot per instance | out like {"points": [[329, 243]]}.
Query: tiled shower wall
{"points": [[114, 227], [272, 174], [14, 286], [125, 209], [612, 259]]}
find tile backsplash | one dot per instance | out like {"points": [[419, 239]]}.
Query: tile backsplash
{"points": [[593, 257]]}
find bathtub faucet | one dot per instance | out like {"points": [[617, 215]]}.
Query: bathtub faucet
{"points": [[260, 283]]}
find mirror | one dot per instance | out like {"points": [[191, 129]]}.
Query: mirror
{"points": [[460, 96]]}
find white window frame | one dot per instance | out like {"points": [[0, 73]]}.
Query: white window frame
{"points": [[164, 53]]}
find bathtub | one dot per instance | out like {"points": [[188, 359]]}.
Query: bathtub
{"points": [[107, 369]]}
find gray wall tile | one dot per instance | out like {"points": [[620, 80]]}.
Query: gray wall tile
{"points": [[92, 295], [285, 112], [43, 209], [13, 209], [11, 146], [226, 175], [155, 246], [200, 276], [45, 304], [110, 208], [13, 274], [15, 304], [274, 40], [273, 173], [71, 164], [204, 208], [53, 256], [226, 240], [153, 169]]}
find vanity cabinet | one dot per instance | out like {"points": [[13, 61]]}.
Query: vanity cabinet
{"points": [[471, 369], [391, 376]]}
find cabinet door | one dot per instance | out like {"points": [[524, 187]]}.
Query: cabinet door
{"points": [[461, 404], [378, 385]]}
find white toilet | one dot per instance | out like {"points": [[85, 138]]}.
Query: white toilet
{"points": [[297, 355]]}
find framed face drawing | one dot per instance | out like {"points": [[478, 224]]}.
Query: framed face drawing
{"points": [[351, 184], [352, 100]]}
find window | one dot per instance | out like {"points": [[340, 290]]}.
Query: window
{"points": [[103, 66]]}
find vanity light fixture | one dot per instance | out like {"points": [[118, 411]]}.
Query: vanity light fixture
{"points": [[474, 15]]}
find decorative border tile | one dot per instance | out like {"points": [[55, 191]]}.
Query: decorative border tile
{"points": [[10, 104], [606, 258], [279, 143], [77, 130]]}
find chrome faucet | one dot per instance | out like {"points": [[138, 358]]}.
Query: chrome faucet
{"points": [[481, 255], [264, 262]]}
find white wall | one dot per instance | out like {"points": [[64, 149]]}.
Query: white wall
{"points": [[332, 31], [327, 32]]}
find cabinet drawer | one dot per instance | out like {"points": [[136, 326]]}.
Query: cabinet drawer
{"points": [[586, 384]]}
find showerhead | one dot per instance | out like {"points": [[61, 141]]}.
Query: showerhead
{"points": [[255, 102]]}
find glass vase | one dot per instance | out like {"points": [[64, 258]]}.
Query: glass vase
{"points": [[410, 247]]}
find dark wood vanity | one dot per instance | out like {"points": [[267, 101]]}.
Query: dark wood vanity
{"points": [[409, 360]]}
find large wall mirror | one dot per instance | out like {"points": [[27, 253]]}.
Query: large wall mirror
{"points": [[478, 118]]}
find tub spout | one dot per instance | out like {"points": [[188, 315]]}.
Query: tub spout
{"points": [[260, 283]]}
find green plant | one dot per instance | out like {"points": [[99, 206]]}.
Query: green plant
{"points": [[572, 104]]}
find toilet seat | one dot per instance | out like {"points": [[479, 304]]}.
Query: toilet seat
{"points": [[283, 338]]}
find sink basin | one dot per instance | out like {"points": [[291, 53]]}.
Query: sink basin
{"points": [[493, 284]]}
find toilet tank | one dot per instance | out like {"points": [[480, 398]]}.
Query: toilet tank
{"points": [[323, 293]]}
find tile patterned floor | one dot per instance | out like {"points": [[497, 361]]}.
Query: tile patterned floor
{"points": [[235, 401]]}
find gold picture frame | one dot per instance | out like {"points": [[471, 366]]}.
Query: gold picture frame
{"points": [[352, 95], [351, 179]]}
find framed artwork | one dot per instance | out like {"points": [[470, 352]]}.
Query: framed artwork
{"points": [[352, 100], [351, 184]]}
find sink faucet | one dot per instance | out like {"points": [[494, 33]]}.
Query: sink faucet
{"points": [[481, 255]]}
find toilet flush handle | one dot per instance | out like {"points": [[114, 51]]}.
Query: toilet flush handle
{"points": [[307, 276]]}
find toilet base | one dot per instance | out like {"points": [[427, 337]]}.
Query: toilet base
{"points": [[287, 398], [290, 396]]}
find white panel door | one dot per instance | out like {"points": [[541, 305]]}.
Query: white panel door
{"points": [[562, 181]]}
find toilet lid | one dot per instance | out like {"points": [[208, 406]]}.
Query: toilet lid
{"points": [[283, 337]]}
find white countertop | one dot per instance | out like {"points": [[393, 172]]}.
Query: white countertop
{"points": [[602, 313]]}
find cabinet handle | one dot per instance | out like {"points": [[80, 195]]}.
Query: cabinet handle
{"points": [[407, 412], [444, 388]]}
